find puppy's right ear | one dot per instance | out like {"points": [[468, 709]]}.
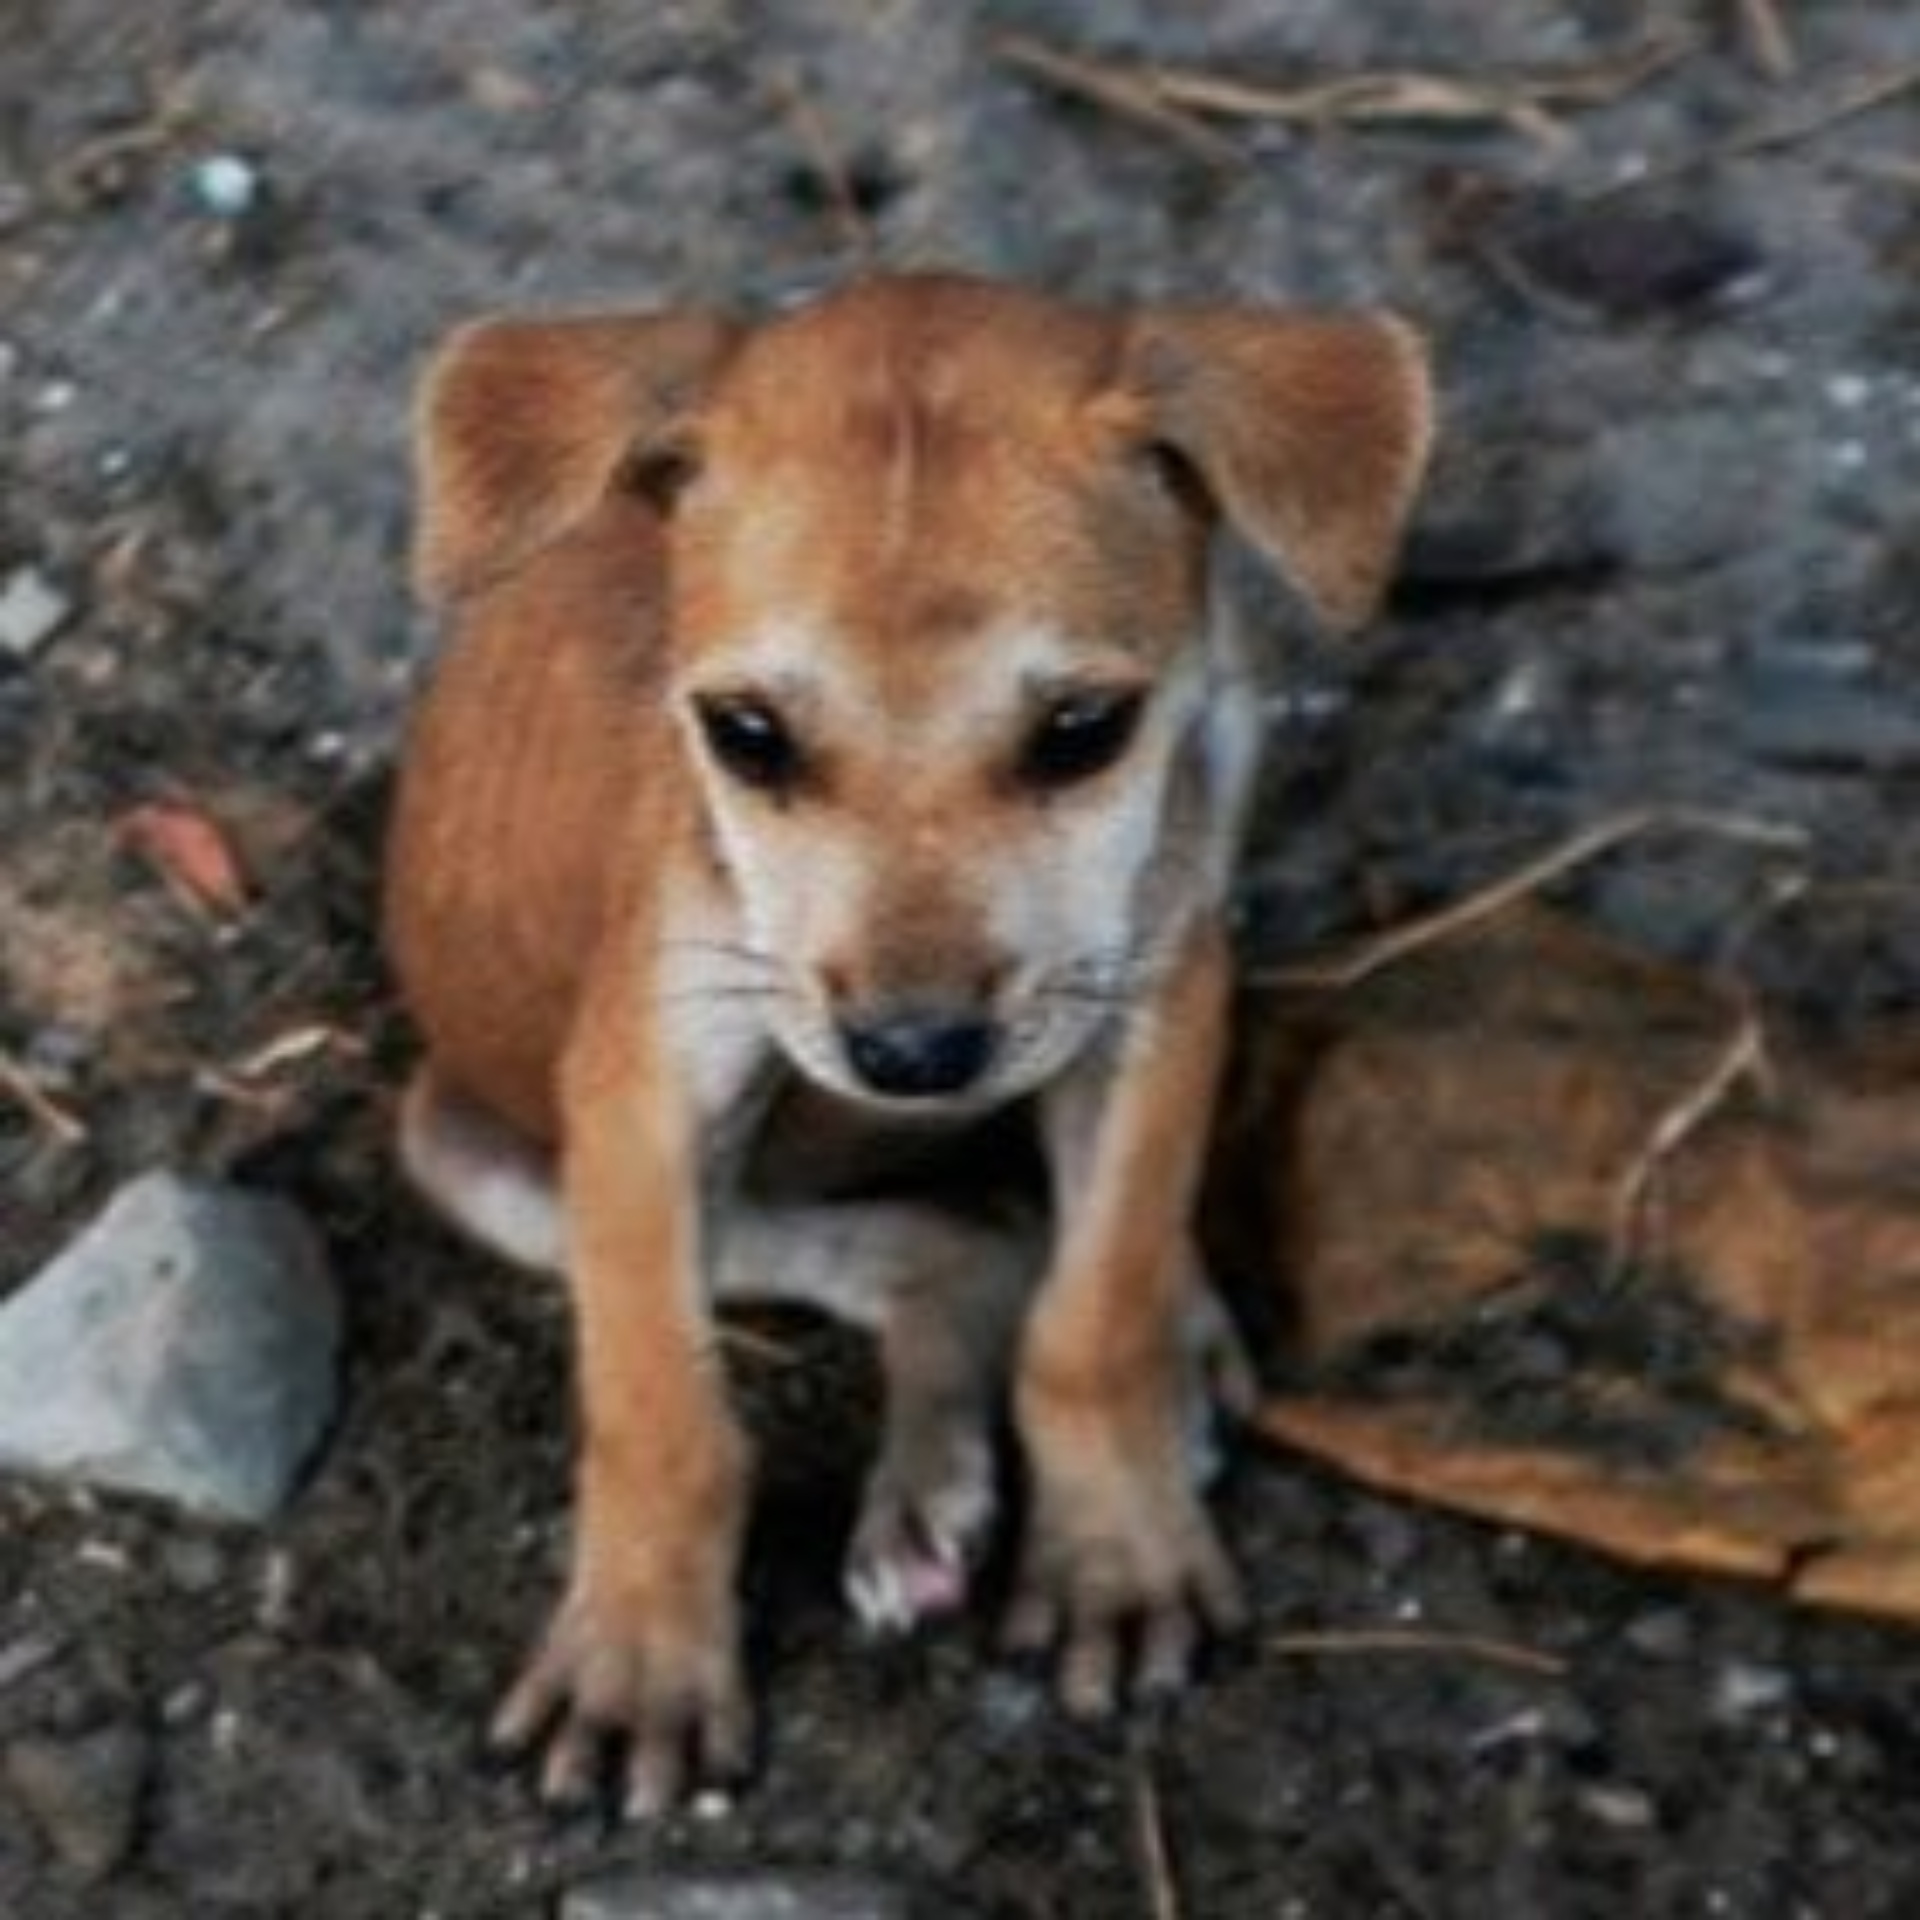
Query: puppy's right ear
{"points": [[521, 427]]}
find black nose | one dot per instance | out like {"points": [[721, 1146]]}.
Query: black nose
{"points": [[915, 1055]]}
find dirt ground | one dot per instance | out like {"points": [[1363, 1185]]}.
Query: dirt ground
{"points": [[1670, 553]]}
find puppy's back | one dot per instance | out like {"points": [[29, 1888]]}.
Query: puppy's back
{"points": [[518, 805]]}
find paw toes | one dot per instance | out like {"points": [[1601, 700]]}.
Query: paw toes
{"points": [[917, 1544], [1090, 1668], [570, 1773], [675, 1711], [1169, 1640]]}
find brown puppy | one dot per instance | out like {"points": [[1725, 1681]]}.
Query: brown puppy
{"points": [[840, 745]]}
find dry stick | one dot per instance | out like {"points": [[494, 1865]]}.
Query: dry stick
{"points": [[1410, 95], [68, 1129], [1743, 1056], [1768, 40], [1169, 98], [1125, 91], [1344, 1640], [1163, 1899], [1865, 96], [1886, 170], [1603, 836]]}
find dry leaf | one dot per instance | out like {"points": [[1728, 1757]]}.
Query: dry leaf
{"points": [[190, 851]]}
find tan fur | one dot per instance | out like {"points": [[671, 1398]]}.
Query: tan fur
{"points": [[920, 513]]}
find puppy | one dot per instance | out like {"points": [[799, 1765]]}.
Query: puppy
{"points": [[839, 748]]}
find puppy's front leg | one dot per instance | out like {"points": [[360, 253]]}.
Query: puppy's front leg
{"points": [[644, 1646], [1120, 1546]]}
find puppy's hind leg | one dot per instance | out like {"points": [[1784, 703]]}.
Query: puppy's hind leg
{"points": [[945, 1294], [488, 1178]]}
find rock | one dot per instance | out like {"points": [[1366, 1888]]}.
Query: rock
{"points": [[32, 611], [82, 1796], [802, 1895], [184, 1346]]}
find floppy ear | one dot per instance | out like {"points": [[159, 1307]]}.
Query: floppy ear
{"points": [[1310, 433], [521, 426]]}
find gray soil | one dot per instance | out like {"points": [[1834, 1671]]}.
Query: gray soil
{"points": [[1670, 554]]}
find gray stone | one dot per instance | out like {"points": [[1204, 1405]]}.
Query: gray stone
{"points": [[184, 1345], [1745, 1690], [82, 1796], [32, 611], [802, 1895]]}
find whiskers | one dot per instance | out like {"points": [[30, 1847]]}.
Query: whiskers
{"points": [[1114, 982], [734, 952], [722, 973]]}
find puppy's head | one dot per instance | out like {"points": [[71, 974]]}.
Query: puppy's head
{"points": [[937, 559]]}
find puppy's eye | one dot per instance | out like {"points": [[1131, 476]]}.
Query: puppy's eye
{"points": [[1078, 736], [750, 741]]}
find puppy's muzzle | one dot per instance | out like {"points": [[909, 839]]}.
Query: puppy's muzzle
{"points": [[917, 1053]]}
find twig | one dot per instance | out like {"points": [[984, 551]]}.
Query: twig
{"points": [[751, 1344], [1417, 1640], [829, 167], [1864, 96], [1170, 97], [1743, 1056], [1125, 91], [1602, 837], [167, 115], [295, 1047], [66, 1127], [1768, 40], [1163, 1896], [1887, 170]]}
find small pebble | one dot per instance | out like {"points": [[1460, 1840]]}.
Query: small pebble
{"points": [[1664, 1634], [1744, 1690], [225, 186], [27, 1655], [1624, 1808], [32, 611], [185, 1704]]}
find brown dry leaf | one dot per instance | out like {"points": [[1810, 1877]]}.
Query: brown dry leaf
{"points": [[1427, 1169], [190, 851]]}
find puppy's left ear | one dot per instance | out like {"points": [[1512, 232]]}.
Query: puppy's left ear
{"points": [[1310, 434]]}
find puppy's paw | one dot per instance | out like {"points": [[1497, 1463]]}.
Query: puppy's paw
{"points": [[1123, 1578], [923, 1528], [653, 1693]]}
